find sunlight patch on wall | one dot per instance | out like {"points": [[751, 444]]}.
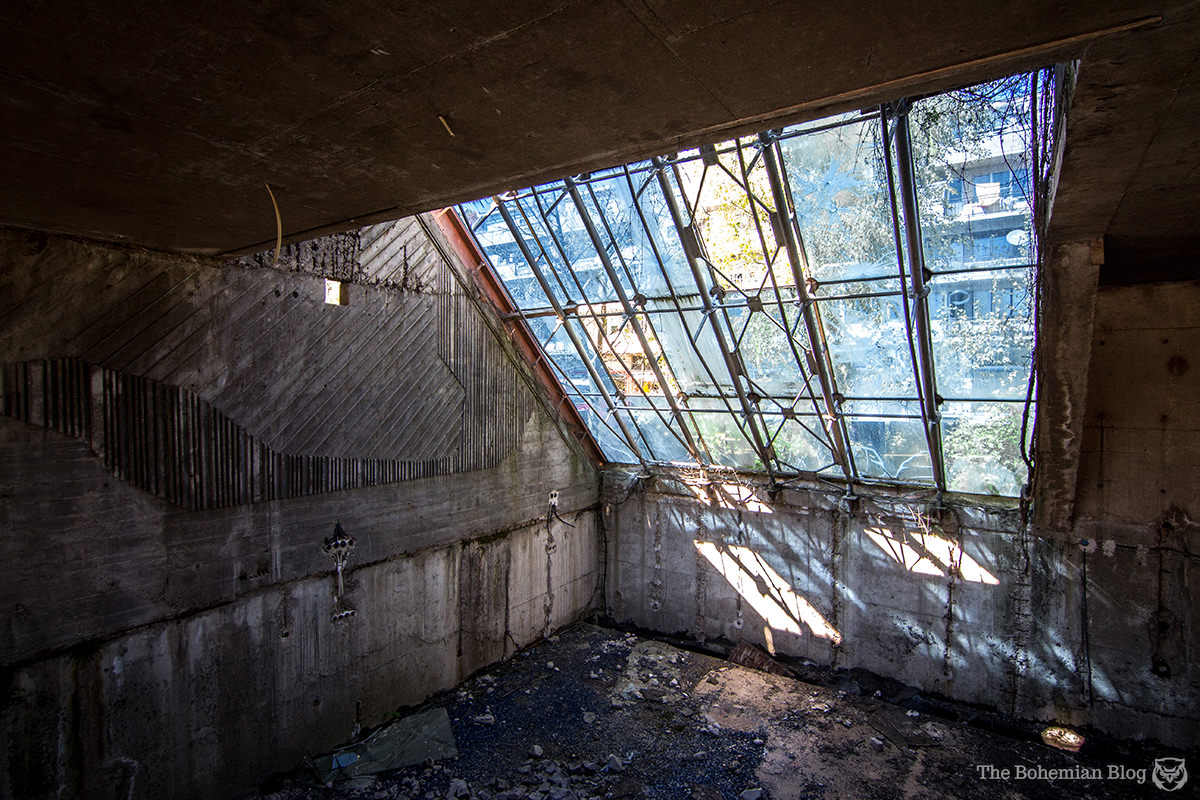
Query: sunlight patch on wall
{"points": [[925, 549], [732, 496], [766, 592]]}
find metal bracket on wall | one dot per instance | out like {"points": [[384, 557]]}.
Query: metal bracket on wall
{"points": [[338, 548]]}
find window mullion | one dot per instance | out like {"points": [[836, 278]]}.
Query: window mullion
{"points": [[571, 334], [919, 292], [690, 242], [831, 420]]}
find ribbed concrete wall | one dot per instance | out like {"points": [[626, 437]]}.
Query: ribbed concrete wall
{"points": [[154, 646], [391, 375]]}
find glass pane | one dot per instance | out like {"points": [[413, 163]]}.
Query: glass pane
{"points": [[497, 242], [904, 408], [568, 363], [982, 448], [691, 346], [982, 326], [719, 428], [868, 343], [604, 429], [839, 187], [563, 235], [663, 443], [664, 237], [797, 447], [972, 170], [637, 235], [891, 449], [731, 220], [771, 356]]}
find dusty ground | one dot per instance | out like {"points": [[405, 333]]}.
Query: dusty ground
{"points": [[594, 713]]}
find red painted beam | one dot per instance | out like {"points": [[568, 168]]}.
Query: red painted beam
{"points": [[463, 244]]}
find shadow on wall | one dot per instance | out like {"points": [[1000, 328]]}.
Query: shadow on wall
{"points": [[926, 553], [749, 574], [962, 604]]}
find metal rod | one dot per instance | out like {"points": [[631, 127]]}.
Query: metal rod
{"points": [[545, 311], [590, 225], [795, 228], [920, 293], [574, 337], [902, 272], [820, 355], [733, 363]]}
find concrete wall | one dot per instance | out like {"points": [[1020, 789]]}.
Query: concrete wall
{"points": [[151, 651], [876, 588], [1138, 500]]}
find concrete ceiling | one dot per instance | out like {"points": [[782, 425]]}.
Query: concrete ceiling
{"points": [[160, 124]]}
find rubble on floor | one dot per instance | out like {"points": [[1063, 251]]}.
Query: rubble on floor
{"points": [[594, 713]]}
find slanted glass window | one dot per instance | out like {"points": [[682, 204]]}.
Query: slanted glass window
{"points": [[850, 297]]}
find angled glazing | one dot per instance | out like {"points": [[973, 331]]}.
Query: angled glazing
{"points": [[847, 298]]}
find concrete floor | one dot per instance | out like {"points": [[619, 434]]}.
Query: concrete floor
{"points": [[596, 713]]}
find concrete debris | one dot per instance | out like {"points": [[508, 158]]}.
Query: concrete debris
{"points": [[754, 736]]}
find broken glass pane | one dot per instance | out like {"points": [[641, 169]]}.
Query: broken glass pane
{"points": [[890, 448], [839, 187]]}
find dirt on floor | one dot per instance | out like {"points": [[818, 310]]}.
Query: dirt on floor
{"points": [[596, 713]]}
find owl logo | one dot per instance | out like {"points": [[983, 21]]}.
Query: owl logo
{"points": [[1169, 773]]}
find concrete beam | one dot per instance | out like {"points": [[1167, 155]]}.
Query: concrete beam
{"points": [[1064, 350]]}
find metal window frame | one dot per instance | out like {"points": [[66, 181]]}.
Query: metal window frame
{"points": [[780, 241]]}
